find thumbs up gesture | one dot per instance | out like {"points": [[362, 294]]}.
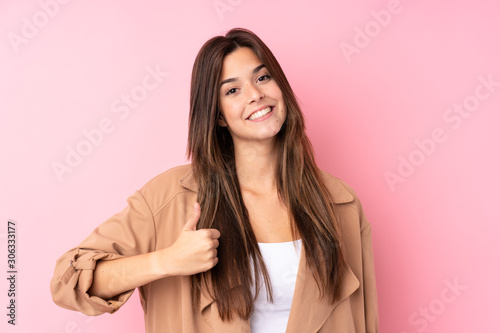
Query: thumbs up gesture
{"points": [[194, 251]]}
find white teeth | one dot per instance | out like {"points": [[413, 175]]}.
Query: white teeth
{"points": [[259, 114]]}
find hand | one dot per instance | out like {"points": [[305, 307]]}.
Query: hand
{"points": [[194, 251]]}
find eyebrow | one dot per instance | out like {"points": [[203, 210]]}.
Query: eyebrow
{"points": [[232, 79]]}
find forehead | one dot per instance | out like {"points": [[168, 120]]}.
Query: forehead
{"points": [[240, 61]]}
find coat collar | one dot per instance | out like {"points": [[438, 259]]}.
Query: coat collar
{"points": [[188, 181], [303, 315]]}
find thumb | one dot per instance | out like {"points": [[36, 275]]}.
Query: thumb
{"points": [[193, 219]]}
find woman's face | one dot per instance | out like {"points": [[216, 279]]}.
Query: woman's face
{"points": [[251, 103]]}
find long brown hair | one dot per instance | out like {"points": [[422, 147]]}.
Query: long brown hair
{"points": [[299, 185]]}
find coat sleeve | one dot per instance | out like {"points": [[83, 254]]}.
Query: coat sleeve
{"points": [[128, 233], [370, 287]]}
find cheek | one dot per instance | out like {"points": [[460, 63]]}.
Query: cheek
{"points": [[276, 93], [224, 106], [230, 110]]}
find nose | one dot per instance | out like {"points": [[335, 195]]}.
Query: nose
{"points": [[254, 93]]}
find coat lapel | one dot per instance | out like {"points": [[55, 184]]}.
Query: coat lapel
{"points": [[210, 312], [308, 309]]}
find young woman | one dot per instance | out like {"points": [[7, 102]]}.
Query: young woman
{"points": [[251, 236]]}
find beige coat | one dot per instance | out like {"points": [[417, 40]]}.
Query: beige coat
{"points": [[154, 218]]}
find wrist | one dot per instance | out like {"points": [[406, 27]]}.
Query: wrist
{"points": [[162, 263]]}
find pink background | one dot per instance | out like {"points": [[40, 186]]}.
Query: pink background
{"points": [[366, 109]]}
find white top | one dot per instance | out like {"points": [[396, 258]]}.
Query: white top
{"points": [[282, 263]]}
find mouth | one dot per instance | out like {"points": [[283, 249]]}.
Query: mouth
{"points": [[260, 113]]}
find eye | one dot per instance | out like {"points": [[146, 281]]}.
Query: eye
{"points": [[231, 91], [264, 77]]}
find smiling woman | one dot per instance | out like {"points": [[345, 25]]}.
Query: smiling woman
{"points": [[251, 236]]}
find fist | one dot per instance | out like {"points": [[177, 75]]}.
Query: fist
{"points": [[194, 251]]}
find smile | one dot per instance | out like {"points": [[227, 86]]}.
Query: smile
{"points": [[260, 114]]}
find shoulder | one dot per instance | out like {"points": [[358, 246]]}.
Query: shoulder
{"points": [[340, 191], [345, 199], [165, 187]]}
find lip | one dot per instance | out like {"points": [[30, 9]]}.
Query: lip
{"points": [[259, 109]]}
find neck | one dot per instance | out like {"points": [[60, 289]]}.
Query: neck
{"points": [[256, 166]]}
